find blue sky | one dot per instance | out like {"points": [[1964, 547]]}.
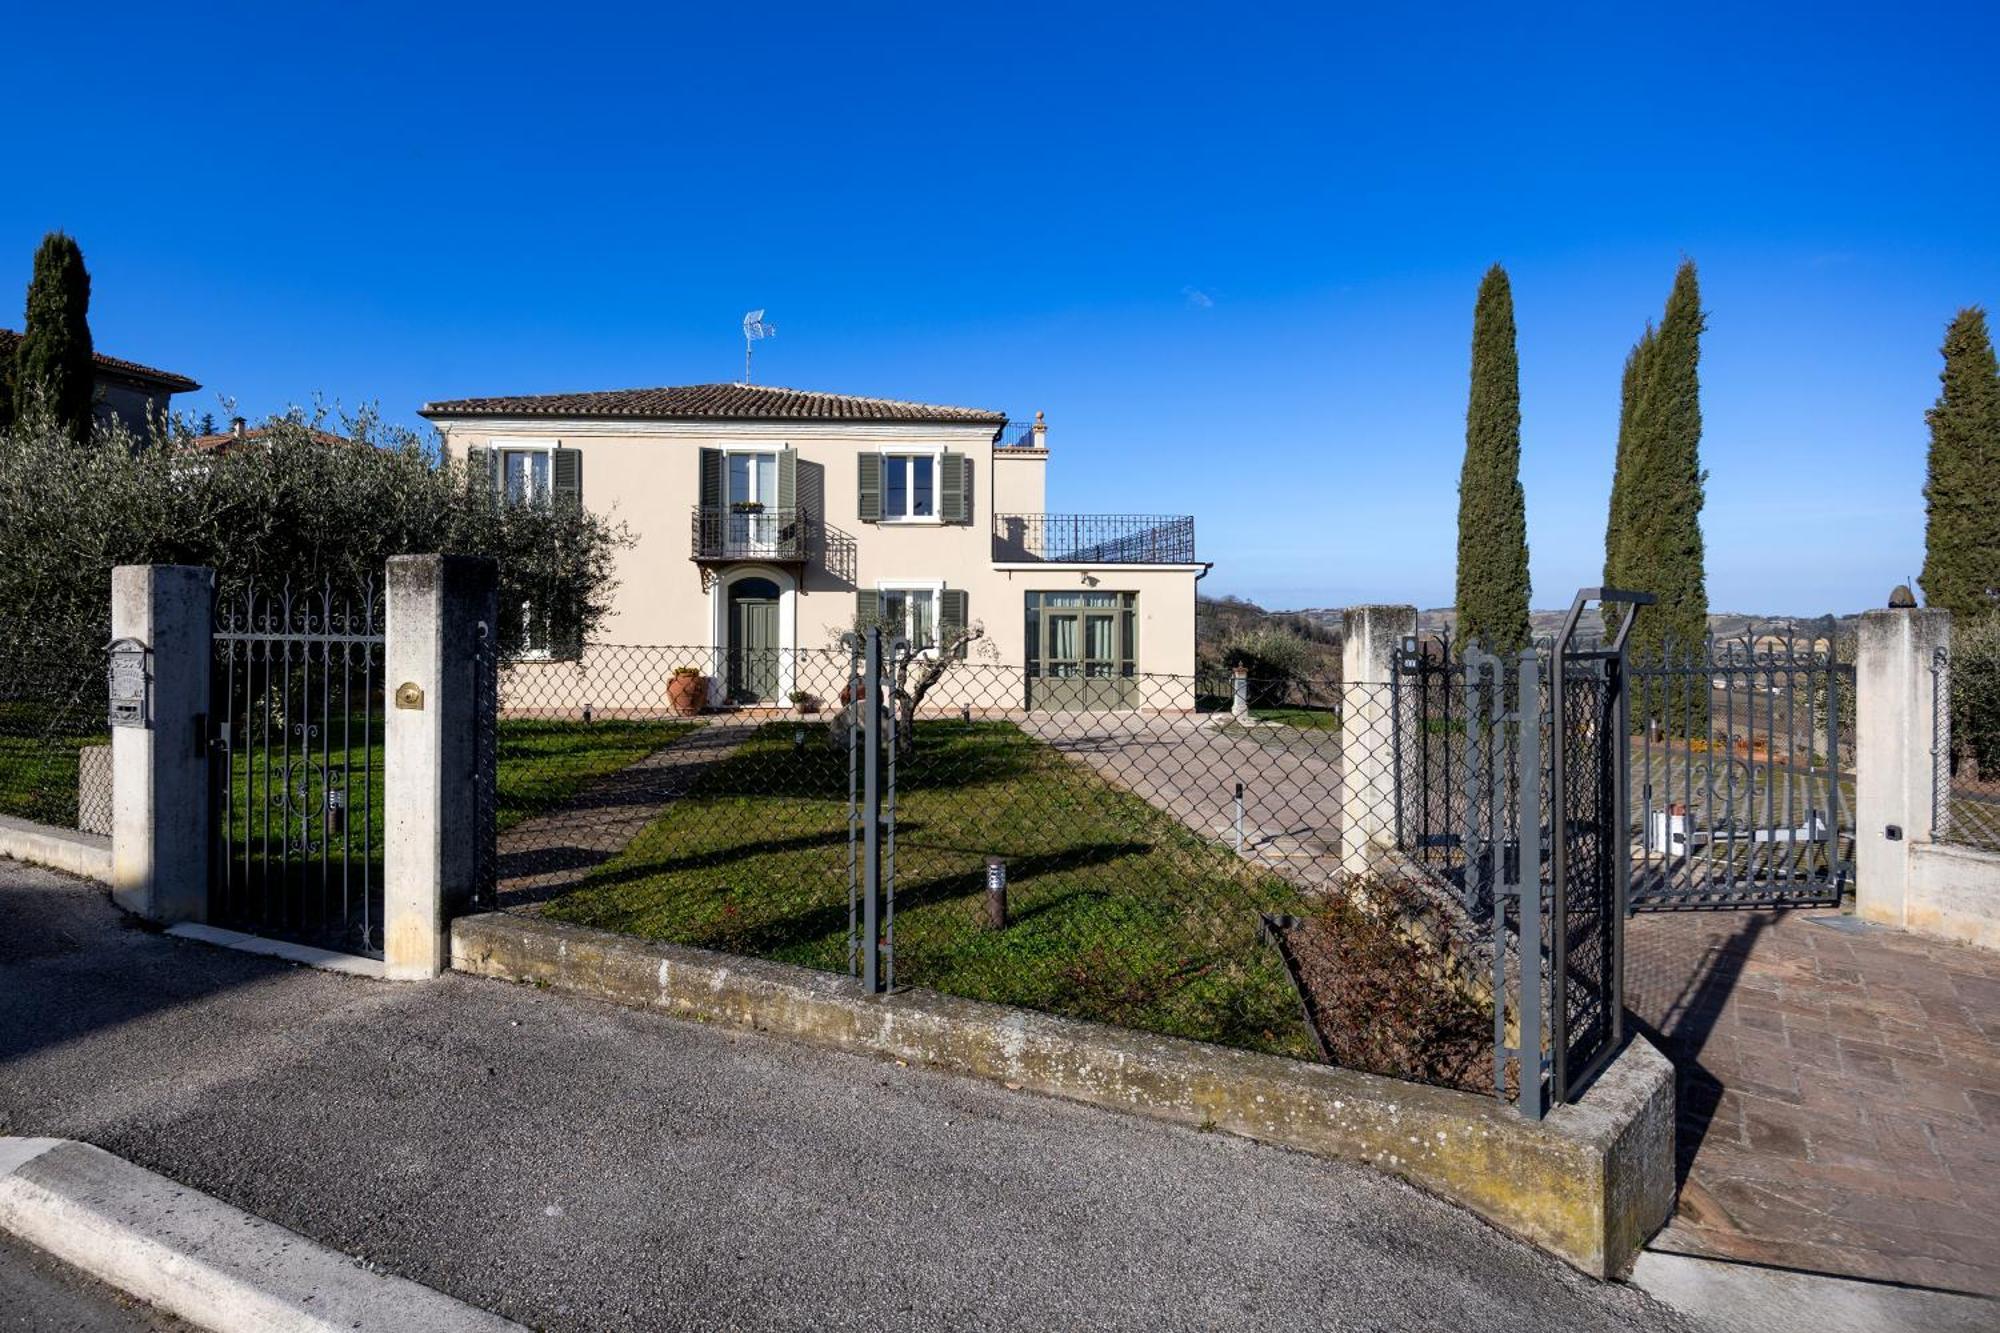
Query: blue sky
{"points": [[1231, 251]]}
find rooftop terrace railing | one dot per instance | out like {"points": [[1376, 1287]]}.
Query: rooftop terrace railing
{"points": [[1094, 539]]}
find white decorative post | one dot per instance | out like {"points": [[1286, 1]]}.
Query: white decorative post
{"points": [[1895, 706], [1371, 637], [1239, 694], [437, 607], [160, 650]]}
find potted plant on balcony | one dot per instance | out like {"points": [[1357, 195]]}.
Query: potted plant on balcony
{"points": [[806, 703], [687, 690], [746, 507]]}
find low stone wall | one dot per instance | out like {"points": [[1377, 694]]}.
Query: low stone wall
{"points": [[1954, 893], [1590, 1184]]}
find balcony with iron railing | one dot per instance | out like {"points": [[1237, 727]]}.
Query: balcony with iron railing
{"points": [[754, 532], [1094, 539]]}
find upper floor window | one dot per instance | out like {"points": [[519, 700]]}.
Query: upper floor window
{"points": [[524, 474], [909, 488]]}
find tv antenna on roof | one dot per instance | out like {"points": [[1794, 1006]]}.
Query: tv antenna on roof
{"points": [[754, 328]]}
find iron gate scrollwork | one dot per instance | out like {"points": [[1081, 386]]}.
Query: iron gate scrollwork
{"points": [[295, 766]]}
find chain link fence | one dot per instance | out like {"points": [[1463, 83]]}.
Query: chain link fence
{"points": [[1966, 748], [1208, 857], [55, 749]]}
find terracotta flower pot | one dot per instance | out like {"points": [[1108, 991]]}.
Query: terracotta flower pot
{"points": [[686, 694]]}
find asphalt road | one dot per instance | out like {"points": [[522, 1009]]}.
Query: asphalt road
{"points": [[45, 1295], [579, 1166]]}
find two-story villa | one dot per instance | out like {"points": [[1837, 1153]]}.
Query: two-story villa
{"points": [[768, 519]]}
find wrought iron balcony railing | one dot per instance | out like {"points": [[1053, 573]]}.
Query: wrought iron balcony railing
{"points": [[1094, 539], [745, 533]]}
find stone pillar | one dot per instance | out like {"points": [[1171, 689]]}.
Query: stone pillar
{"points": [[160, 835], [1239, 694], [436, 607], [1371, 637], [1895, 708]]}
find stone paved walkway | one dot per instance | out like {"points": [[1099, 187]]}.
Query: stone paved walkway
{"points": [[548, 855], [1839, 1095]]}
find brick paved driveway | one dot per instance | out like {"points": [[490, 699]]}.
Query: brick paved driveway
{"points": [[1840, 1093]]}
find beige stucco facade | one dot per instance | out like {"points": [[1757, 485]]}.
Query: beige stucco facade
{"points": [[647, 475]]}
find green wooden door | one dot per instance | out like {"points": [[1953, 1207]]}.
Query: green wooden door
{"points": [[753, 650]]}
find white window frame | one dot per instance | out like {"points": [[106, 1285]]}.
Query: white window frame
{"points": [[524, 447], [935, 587], [545, 653], [936, 454]]}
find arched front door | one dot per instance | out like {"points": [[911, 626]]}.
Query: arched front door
{"points": [[753, 641]]}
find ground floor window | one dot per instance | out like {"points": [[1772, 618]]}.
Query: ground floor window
{"points": [[912, 611], [1082, 649]]}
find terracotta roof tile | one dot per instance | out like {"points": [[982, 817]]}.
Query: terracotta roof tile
{"points": [[117, 365], [225, 442], [709, 402]]}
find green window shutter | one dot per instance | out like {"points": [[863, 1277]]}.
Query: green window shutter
{"points": [[953, 616], [788, 478], [955, 488], [481, 461], [566, 475], [867, 607], [870, 487], [711, 479]]}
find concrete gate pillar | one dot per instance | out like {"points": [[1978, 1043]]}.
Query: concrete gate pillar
{"points": [[1895, 715], [1371, 636], [160, 835], [437, 608]]}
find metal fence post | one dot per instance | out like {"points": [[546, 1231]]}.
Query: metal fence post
{"points": [[871, 814], [1532, 1100]]}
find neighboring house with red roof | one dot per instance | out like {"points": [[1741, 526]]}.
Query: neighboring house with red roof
{"points": [[125, 391], [767, 518], [242, 435]]}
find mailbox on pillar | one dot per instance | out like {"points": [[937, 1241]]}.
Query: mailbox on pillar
{"points": [[130, 684]]}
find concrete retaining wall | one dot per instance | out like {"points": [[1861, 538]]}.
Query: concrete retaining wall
{"points": [[85, 854], [1589, 1184], [1954, 893]]}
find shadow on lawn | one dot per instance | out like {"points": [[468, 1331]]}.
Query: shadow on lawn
{"points": [[825, 922]]}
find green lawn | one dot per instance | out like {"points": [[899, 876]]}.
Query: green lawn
{"points": [[1310, 719], [542, 765], [1118, 913], [38, 761]]}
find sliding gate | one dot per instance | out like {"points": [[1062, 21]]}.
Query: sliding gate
{"points": [[296, 766]]}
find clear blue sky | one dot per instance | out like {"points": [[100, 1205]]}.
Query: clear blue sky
{"points": [[1231, 250]]}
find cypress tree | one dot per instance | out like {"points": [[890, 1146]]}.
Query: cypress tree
{"points": [[1962, 528], [53, 360], [1661, 551], [1492, 511], [1616, 523]]}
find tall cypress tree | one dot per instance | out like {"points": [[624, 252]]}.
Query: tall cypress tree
{"points": [[1492, 511], [1962, 531], [1615, 526], [53, 361], [1661, 551]]}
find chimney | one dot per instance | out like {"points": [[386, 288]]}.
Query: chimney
{"points": [[236, 427], [1041, 431]]}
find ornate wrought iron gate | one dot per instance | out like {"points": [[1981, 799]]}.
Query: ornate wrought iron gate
{"points": [[1742, 777], [295, 766]]}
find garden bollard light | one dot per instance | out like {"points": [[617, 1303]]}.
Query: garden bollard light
{"points": [[996, 893], [1239, 819]]}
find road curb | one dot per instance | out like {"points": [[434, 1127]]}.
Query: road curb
{"points": [[197, 1257]]}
